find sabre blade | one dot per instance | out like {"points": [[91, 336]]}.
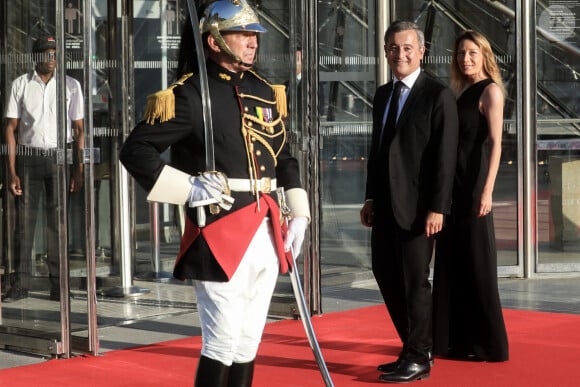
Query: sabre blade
{"points": [[205, 98], [205, 101], [307, 322], [301, 299]]}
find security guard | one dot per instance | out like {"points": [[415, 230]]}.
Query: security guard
{"points": [[236, 252]]}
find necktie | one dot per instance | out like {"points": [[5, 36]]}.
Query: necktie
{"points": [[389, 129], [393, 108]]}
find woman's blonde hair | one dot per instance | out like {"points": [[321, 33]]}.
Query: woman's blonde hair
{"points": [[490, 67]]}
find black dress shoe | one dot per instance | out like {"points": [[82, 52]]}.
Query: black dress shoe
{"points": [[407, 372], [391, 367], [15, 294], [55, 295]]}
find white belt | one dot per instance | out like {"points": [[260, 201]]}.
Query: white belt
{"points": [[264, 185]]}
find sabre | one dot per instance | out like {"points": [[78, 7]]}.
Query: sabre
{"points": [[301, 299], [205, 101]]}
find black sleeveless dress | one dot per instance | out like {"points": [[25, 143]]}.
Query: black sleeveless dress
{"points": [[467, 316]]}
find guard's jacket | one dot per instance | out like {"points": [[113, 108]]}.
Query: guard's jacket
{"points": [[249, 143]]}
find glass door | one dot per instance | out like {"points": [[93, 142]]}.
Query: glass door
{"points": [[442, 21], [558, 136], [45, 258], [37, 145]]}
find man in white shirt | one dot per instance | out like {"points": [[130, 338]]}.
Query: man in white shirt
{"points": [[31, 134]]}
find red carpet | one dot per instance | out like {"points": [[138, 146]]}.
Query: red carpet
{"points": [[544, 350]]}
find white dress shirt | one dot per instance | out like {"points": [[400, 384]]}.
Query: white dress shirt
{"points": [[34, 103], [408, 83]]}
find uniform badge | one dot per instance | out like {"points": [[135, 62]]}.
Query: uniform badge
{"points": [[265, 115]]}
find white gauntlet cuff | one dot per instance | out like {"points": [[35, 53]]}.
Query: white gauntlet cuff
{"points": [[297, 200], [172, 186]]}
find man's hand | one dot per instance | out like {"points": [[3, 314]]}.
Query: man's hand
{"points": [[366, 213], [295, 234], [433, 223], [76, 181], [15, 187], [209, 188]]}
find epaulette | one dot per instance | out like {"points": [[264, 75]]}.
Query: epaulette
{"points": [[279, 93], [161, 105]]}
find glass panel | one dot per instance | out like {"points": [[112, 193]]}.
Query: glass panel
{"points": [[347, 74], [347, 68], [80, 210], [157, 29], [155, 60], [442, 22], [32, 162], [558, 136]]}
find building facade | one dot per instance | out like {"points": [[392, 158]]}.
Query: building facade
{"points": [[123, 50]]}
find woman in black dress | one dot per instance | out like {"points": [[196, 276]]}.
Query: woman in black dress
{"points": [[468, 320]]}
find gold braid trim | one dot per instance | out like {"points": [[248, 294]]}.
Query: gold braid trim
{"points": [[268, 131], [259, 136], [249, 96], [161, 105], [281, 104], [279, 92], [249, 151], [268, 126]]}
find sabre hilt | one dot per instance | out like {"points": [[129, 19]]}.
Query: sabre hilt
{"points": [[211, 189], [284, 209]]}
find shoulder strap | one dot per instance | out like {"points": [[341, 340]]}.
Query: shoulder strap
{"points": [[161, 105]]}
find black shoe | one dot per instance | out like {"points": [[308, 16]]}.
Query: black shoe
{"points": [[54, 294], [391, 367], [15, 294], [407, 372]]}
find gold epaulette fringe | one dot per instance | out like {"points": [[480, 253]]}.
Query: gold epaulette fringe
{"points": [[280, 94], [281, 104], [161, 105]]}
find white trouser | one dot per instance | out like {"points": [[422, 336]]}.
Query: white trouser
{"points": [[233, 314]]}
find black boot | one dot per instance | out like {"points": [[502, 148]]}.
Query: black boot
{"points": [[211, 373], [241, 374], [18, 287]]}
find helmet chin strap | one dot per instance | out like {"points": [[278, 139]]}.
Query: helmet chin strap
{"points": [[237, 58], [222, 44], [248, 65]]}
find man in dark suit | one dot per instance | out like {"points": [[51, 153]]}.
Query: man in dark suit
{"points": [[409, 181]]}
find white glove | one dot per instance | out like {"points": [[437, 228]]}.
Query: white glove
{"points": [[209, 188], [198, 195], [295, 234]]}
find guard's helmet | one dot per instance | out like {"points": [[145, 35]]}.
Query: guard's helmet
{"points": [[229, 15]]}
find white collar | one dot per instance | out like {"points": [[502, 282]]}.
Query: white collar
{"points": [[410, 79]]}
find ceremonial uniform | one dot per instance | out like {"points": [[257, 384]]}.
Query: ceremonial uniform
{"points": [[250, 148], [249, 144], [234, 241]]}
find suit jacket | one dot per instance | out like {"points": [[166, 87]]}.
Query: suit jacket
{"points": [[421, 155]]}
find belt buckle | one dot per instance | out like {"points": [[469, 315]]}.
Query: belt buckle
{"points": [[266, 185]]}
